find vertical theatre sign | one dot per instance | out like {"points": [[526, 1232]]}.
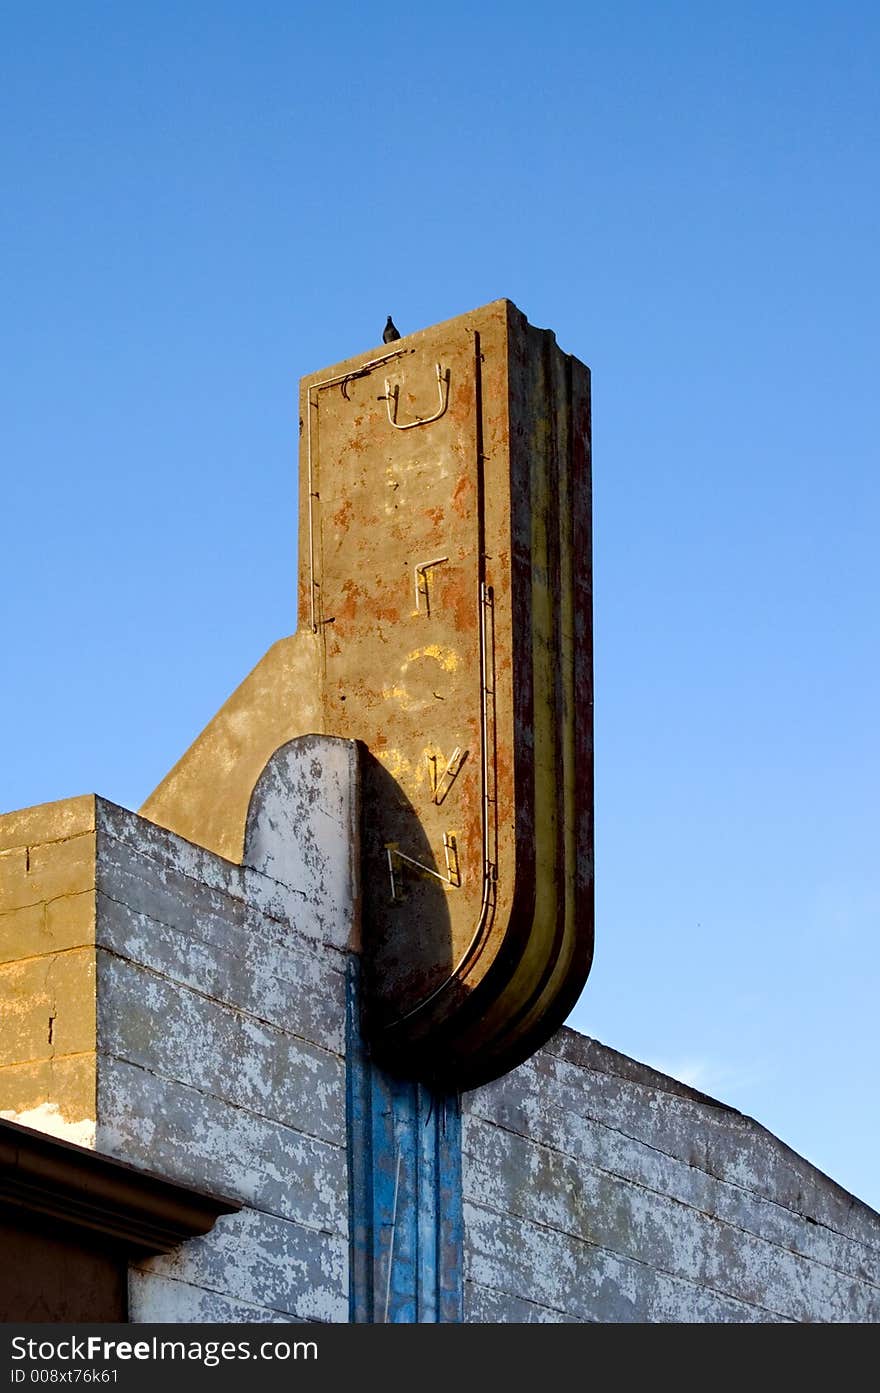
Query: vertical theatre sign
{"points": [[445, 611]]}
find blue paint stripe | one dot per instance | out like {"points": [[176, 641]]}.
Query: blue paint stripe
{"points": [[450, 1215], [360, 1197], [426, 1205], [405, 1203]]}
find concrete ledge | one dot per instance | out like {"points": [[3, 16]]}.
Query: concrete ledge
{"points": [[45, 1178]]}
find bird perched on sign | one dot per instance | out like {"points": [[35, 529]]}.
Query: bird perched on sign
{"points": [[390, 332]]}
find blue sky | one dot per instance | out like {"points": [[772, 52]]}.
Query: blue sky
{"points": [[202, 202]]}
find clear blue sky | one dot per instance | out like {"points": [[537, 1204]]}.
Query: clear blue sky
{"points": [[203, 201]]}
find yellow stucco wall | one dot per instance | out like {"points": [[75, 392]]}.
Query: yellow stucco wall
{"points": [[47, 968]]}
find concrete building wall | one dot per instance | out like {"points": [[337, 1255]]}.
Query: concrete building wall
{"points": [[221, 1023], [591, 1188], [47, 968], [204, 1005], [596, 1189]]}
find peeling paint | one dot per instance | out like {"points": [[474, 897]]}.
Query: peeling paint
{"points": [[595, 1189], [48, 1117]]}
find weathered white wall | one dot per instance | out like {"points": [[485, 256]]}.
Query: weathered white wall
{"points": [[598, 1190], [594, 1188], [221, 1030]]}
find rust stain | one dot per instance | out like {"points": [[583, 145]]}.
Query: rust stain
{"points": [[342, 516], [388, 612], [463, 496]]}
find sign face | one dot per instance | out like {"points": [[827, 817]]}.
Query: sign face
{"points": [[444, 563], [397, 604]]}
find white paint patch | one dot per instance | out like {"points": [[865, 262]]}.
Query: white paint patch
{"points": [[48, 1118], [302, 832]]}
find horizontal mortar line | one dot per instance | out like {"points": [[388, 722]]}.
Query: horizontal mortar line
{"points": [[43, 902], [733, 1185], [49, 1059], [51, 899], [640, 1262], [241, 1011], [786, 1208], [591, 1120], [681, 1092], [321, 1230], [283, 923], [297, 1223], [518, 1296], [227, 1102], [147, 853], [227, 1296], [187, 875], [680, 1160], [208, 943], [695, 1209], [49, 953], [750, 1130], [53, 841], [684, 1096], [180, 981]]}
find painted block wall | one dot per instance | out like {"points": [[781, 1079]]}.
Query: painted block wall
{"points": [[593, 1188], [48, 968], [596, 1189], [212, 1019], [220, 1048], [221, 1040]]}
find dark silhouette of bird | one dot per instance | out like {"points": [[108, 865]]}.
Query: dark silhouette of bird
{"points": [[391, 332]]}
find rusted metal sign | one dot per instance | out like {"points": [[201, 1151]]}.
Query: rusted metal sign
{"points": [[446, 536], [445, 623]]}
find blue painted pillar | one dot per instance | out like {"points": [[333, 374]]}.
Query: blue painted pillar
{"points": [[405, 1219]]}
